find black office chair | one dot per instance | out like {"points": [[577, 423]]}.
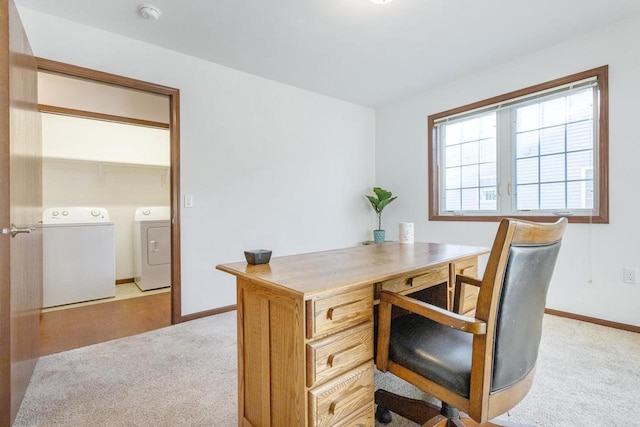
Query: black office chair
{"points": [[482, 366]]}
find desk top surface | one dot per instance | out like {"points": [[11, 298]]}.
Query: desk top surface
{"points": [[316, 272]]}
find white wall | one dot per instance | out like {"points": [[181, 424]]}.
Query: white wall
{"points": [[268, 165], [588, 276]]}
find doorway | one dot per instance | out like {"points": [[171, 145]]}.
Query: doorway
{"points": [[109, 318]]}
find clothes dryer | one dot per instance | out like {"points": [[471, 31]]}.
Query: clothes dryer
{"points": [[78, 255], [152, 247]]}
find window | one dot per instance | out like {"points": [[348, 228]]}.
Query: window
{"points": [[536, 153]]}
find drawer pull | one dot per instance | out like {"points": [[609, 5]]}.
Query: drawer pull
{"points": [[337, 358], [353, 397], [468, 270], [341, 310]]}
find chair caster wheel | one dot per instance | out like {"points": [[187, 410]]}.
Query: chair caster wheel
{"points": [[383, 415]]}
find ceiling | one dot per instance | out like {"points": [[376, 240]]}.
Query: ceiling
{"points": [[369, 54]]}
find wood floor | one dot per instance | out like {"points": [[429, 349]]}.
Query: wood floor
{"points": [[81, 326]]}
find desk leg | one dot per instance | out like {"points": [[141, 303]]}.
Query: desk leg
{"points": [[271, 367]]}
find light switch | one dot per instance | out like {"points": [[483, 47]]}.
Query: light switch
{"points": [[188, 201]]}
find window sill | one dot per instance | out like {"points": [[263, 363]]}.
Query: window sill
{"points": [[601, 219]]}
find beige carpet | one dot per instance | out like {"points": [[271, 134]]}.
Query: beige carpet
{"points": [[185, 375]]}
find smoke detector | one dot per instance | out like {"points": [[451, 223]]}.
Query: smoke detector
{"points": [[147, 11]]}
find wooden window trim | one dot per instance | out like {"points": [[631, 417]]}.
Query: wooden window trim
{"points": [[602, 74]]}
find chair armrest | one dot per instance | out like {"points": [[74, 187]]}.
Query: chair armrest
{"points": [[467, 280], [437, 314]]}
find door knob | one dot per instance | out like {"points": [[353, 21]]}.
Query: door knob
{"points": [[16, 230]]}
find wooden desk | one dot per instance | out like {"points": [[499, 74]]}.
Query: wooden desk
{"points": [[305, 327]]}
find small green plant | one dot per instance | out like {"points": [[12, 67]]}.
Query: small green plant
{"points": [[380, 201]]}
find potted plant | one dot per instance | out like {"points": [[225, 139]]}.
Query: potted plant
{"points": [[379, 202]]}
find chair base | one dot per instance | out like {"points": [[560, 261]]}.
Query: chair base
{"points": [[426, 414]]}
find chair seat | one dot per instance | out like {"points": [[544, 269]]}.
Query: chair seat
{"points": [[436, 352]]}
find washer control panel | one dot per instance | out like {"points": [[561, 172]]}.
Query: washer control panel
{"points": [[152, 213], [75, 214]]}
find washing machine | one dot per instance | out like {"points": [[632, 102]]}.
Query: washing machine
{"points": [[79, 262], [152, 247]]}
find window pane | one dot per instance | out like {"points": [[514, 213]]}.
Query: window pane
{"points": [[470, 176], [452, 179], [552, 140], [580, 195], [527, 197], [452, 200], [487, 150], [579, 165], [452, 134], [552, 168], [552, 112], [527, 144], [470, 199], [552, 196], [469, 153], [488, 174], [488, 198], [580, 136], [452, 156], [488, 126], [470, 130], [527, 118], [580, 106], [565, 152], [527, 171]]}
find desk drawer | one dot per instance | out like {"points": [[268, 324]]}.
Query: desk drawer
{"points": [[339, 311], [338, 353], [470, 298], [412, 283], [338, 399], [468, 293], [366, 418], [467, 267]]}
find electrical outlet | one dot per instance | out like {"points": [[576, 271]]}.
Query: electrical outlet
{"points": [[630, 275]]}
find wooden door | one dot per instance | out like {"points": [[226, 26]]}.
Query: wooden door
{"points": [[20, 206]]}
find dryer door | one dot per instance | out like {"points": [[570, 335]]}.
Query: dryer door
{"points": [[159, 245]]}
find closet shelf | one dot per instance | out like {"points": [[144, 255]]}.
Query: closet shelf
{"points": [[103, 163]]}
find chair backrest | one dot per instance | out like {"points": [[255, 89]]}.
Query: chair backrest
{"points": [[518, 273]]}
